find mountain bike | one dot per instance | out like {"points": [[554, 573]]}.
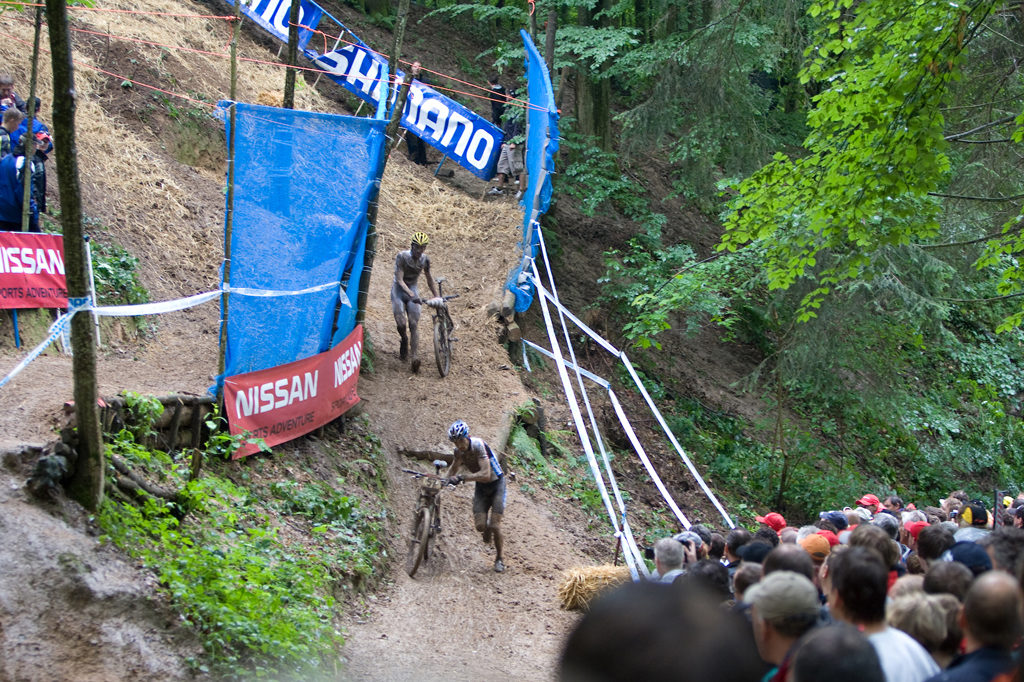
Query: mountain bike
{"points": [[426, 520], [443, 327]]}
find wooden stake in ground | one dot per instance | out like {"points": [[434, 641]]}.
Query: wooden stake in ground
{"points": [[293, 55], [86, 484]]}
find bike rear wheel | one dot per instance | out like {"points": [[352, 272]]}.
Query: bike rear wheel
{"points": [[442, 344], [419, 541]]}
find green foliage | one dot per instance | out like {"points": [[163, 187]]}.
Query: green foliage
{"points": [[562, 472], [594, 177], [875, 151], [116, 275], [261, 605]]}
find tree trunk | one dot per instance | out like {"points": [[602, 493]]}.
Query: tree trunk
{"points": [[593, 94], [391, 133], [293, 55], [86, 484], [549, 40]]}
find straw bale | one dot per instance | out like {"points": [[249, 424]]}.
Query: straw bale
{"points": [[581, 585]]}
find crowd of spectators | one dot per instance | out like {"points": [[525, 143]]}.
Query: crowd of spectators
{"points": [[880, 591], [21, 151]]}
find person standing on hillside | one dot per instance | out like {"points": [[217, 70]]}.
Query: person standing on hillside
{"points": [[483, 467], [498, 97], [405, 300], [510, 160], [417, 147]]}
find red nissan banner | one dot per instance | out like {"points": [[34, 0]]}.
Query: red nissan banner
{"points": [[288, 401], [32, 270]]}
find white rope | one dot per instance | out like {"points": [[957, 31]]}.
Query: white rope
{"points": [[586, 400], [543, 293], [581, 430]]}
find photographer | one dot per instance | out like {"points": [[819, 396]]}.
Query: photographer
{"points": [[673, 555]]}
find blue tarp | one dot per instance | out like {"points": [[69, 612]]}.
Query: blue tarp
{"points": [[302, 183], [541, 147]]}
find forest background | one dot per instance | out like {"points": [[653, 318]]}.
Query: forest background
{"points": [[855, 170]]}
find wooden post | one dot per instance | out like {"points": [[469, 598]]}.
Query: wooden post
{"points": [[293, 54], [222, 362], [86, 484]]}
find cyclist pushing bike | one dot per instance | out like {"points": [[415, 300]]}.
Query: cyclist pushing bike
{"points": [[482, 466], [405, 301]]}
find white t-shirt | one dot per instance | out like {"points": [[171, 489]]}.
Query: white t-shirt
{"points": [[903, 659]]}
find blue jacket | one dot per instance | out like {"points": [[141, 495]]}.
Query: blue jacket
{"points": [[11, 191], [979, 666], [37, 127]]}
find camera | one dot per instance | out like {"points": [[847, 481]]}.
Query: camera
{"points": [[649, 553]]}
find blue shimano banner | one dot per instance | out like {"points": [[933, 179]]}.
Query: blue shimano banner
{"points": [[302, 186], [467, 138], [273, 15], [541, 147]]}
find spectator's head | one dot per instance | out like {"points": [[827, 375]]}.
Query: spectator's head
{"points": [[992, 612], [876, 539], [948, 577], [972, 555], [838, 653], [934, 515], [817, 548], [703, 532], [668, 555], [12, 119], [754, 552], [852, 517], [907, 585], [649, 631], [784, 605], [766, 534], [889, 524], [932, 541], [870, 501], [493, 78], [788, 535], [1018, 517], [1005, 546], [745, 576], [6, 86], [736, 538], [710, 575], [950, 646], [716, 546], [836, 518], [893, 503], [974, 514], [858, 584], [921, 617], [913, 531], [773, 520], [688, 537], [788, 557]]}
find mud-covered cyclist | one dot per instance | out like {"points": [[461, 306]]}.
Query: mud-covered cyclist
{"points": [[405, 301], [483, 467]]}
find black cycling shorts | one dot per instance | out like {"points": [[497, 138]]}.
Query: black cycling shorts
{"points": [[490, 496]]}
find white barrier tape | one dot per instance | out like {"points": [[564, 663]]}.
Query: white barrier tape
{"points": [[590, 375], [650, 403], [658, 483], [679, 449], [155, 308], [581, 430], [55, 330], [246, 291]]}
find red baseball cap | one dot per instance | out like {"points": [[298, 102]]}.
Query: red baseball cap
{"points": [[914, 527], [870, 500], [773, 520], [830, 536]]}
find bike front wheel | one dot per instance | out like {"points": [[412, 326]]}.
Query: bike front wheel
{"points": [[442, 345], [418, 541]]}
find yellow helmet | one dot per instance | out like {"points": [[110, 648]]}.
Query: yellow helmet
{"points": [[420, 238]]}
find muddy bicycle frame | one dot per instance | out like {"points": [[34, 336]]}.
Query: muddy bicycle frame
{"points": [[426, 520]]}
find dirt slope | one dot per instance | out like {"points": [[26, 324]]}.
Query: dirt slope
{"points": [[458, 619]]}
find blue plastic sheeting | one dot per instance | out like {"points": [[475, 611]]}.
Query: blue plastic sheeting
{"points": [[302, 183], [541, 147]]}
